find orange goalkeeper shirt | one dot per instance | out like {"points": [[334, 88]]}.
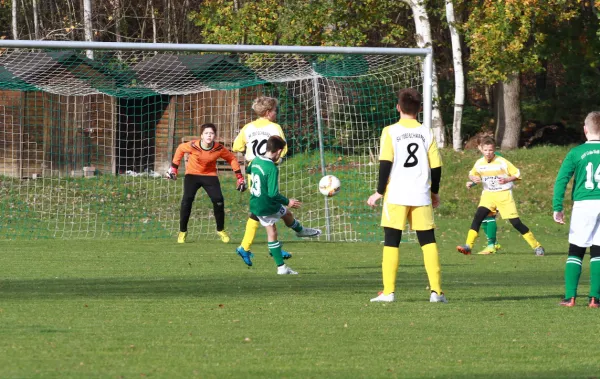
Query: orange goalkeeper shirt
{"points": [[202, 161]]}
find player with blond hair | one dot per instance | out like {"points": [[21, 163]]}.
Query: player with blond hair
{"points": [[488, 224], [582, 162], [496, 174]]}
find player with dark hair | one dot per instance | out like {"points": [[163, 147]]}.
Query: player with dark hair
{"points": [[269, 205], [201, 172], [409, 154]]}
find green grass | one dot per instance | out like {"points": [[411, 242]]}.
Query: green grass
{"points": [[131, 309], [148, 208], [140, 307]]}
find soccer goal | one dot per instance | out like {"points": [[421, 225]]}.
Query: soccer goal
{"points": [[87, 131]]}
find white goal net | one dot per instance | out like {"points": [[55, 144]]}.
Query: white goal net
{"points": [[84, 143]]}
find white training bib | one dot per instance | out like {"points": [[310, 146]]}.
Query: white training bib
{"points": [[256, 139], [410, 178]]}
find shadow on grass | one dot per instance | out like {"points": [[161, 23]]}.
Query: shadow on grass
{"points": [[417, 266], [181, 287], [310, 282], [509, 298]]}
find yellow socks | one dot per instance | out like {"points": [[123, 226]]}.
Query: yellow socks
{"points": [[432, 266], [531, 240], [391, 259], [251, 228], [471, 237], [389, 268]]}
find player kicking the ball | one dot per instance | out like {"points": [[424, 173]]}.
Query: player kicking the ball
{"points": [[269, 205]]}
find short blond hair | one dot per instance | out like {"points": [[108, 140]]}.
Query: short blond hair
{"points": [[592, 122], [262, 104]]}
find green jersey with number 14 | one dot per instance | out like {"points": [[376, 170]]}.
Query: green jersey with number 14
{"points": [[582, 161], [265, 199]]}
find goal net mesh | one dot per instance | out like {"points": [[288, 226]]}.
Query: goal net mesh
{"points": [[85, 143]]}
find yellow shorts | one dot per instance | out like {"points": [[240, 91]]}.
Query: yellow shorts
{"points": [[395, 216], [501, 201]]}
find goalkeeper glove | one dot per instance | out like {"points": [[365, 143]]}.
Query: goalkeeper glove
{"points": [[241, 183], [172, 173]]}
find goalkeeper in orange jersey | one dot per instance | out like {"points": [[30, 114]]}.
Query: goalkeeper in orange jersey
{"points": [[497, 175], [252, 141], [201, 172]]}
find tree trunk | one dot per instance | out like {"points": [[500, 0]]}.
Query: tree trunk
{"points": [[187, 35], [459, 78], [497, 102], [87, 25], [15, 9], [167, 18], [153, 22], [512, 112], [117, 16], [508, 129], [24, 8], [423, 37], [71, 16], [36, 21]]}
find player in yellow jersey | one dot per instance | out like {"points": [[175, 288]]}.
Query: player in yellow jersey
{"points": [[497, 175], [410, 168], [252, 142], [488, 224]]}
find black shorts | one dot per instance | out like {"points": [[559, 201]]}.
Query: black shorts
{"points": [[211, 184]]}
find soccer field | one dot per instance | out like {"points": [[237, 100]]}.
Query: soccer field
{"points": [[131, 309]]}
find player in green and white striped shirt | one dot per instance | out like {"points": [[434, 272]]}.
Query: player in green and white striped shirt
{"points": [[583, 162]]}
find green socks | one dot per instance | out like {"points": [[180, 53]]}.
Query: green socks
{"points": [[490, 227], [572, 274], [275, 250], [490, 230], [296, 226], [595, 277]]}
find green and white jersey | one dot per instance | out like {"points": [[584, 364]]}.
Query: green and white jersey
{"points": [[265, 199], [582, 161]]}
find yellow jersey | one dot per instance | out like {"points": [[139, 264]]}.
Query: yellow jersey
{"points": [[252, 139], [490, 172]]}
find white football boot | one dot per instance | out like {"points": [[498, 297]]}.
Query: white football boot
{"points": [[285, 270], [308, 233], [383, 298], [435, 298]]}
